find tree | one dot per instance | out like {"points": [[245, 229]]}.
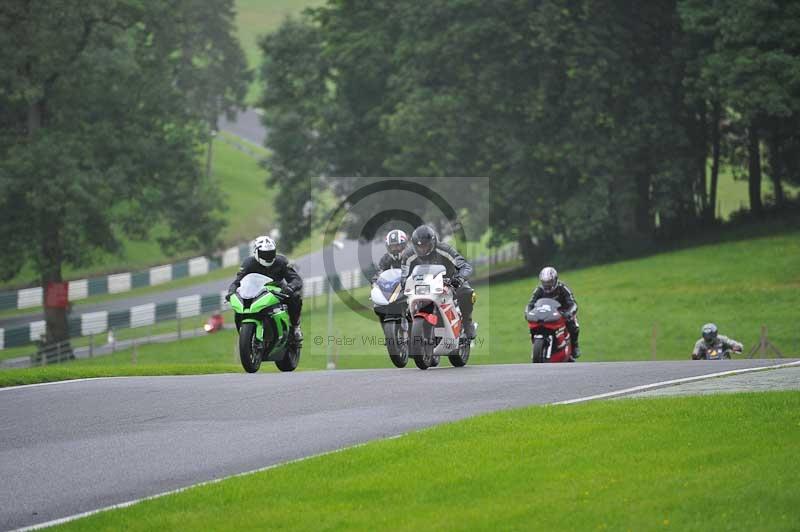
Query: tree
{"points": [[98, 139]]}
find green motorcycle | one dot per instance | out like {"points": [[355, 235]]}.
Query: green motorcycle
{"points": [[262, 320]]}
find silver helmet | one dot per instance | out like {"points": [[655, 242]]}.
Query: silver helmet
{"points": [[548, 279]]}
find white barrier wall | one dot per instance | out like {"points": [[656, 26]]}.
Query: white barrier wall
{"points": [[230, 257], [78, 289], [30, 297], [119, 282], [188, 306], [37, 330], [94, 322], [198, 266], [161, 274], [142, 315]]}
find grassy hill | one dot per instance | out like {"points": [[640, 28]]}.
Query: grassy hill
{"points": [[740, 285], [255, 18], [248, 201]]}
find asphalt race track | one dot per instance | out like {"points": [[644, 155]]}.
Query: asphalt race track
{"points": [[71, 447]]}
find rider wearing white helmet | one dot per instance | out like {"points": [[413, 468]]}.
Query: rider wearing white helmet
{"points": [[266, 261], [396, 241], [551, 287]]}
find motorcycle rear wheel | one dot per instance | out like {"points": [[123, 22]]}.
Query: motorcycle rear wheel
{"points": [[290, 359], [460, 358], [248, 351], [421, 346]]}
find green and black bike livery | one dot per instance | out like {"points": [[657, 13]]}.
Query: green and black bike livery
{"points": [[262, 319]]}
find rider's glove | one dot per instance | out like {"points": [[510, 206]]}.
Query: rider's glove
{"points": [[456, 281], [287, 292]]}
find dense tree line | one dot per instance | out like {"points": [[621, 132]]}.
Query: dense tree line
{"points": [[104, 110], [603, 125]]}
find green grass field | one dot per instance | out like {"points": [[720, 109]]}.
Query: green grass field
{"points": [[723, 462], [256, 18], [739, 285]]}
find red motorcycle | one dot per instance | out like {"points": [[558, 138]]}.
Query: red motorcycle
{"points": [[549, 334]]}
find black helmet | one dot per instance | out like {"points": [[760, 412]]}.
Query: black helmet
{"points": [[548, 279], [424, 240], [709, 333], [396, 241]]}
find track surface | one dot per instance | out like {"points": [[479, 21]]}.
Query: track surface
{"points": [[72, 447]]}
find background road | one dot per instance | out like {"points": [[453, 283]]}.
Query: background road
{"points": [[67, 448]]}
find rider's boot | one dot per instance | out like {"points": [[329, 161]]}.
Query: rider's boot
{"points": [[297, 334], [576, 351], [469, 328]]}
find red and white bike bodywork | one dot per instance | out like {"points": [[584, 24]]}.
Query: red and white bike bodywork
{"points": [[550, 336], [436, 326]]}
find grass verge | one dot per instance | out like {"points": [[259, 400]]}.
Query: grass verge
{"points": [[723, 462]]}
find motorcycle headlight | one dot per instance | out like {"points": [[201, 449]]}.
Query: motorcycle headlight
{"points": [[422, 289]]}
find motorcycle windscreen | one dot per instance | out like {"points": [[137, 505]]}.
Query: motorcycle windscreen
{"points": [[427, 269], [253, 284], [545, 309], [389, 282]]}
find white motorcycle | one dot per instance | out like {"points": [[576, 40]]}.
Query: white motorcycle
{"points": [[436, 326]]}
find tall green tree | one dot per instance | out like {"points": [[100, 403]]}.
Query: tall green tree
{"points": [[100, 135]]}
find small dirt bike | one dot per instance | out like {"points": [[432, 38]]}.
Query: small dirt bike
{"points": [[262, 320], [436, 327], [389, 303], [549, 334], [718, 351]]}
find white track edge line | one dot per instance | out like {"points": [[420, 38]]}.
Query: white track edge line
{"points": [[672, 382], [126, 504]]}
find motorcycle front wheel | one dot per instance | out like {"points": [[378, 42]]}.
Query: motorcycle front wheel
{"points": [[396, 343], [537, 356], [421, 343], [248, 349]]}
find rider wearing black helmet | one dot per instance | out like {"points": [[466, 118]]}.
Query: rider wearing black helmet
{"points": [[266, 261], [426, 249], [711, 337], [551, 287]]}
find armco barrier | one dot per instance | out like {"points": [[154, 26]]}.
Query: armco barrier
{"points": [[151, 313], [123, 282]]}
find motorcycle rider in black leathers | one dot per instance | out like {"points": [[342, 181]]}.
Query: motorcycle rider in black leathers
{"points": [[426, 249], [396, 241], [266, 261], [551, 287]]}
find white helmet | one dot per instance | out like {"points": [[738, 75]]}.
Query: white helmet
{"points": [[396, 241], [264, 250]]}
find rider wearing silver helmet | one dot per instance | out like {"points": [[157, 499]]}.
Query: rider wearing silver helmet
{"points": [[425, 248], [266, 261], [711, 337], [550, 287]]}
